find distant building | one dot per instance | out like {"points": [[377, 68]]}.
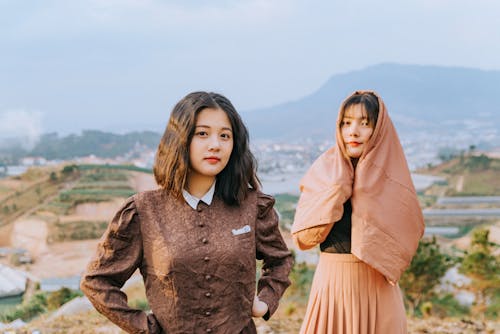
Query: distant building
{"points": [[33, 161]]}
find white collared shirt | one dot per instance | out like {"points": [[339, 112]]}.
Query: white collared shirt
{"points": [[193, 200]]}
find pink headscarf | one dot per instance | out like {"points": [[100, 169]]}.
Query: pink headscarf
{"points": [[387, 221]]}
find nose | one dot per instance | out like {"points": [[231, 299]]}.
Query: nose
{"points": [[214, 143], [354, 130]]}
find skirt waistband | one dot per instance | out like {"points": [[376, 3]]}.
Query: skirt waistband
{"points": [[339, 257]]}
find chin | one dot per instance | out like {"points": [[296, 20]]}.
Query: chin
{"points": [[353, 155], [212, 173]]}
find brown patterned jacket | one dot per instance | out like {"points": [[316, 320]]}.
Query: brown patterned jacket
{"points": [[198, 266]]}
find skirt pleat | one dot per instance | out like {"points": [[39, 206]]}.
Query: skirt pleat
{"points": [[349, 297]]}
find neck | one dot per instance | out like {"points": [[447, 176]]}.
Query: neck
{"points": [[198, 185], [354, 162]]}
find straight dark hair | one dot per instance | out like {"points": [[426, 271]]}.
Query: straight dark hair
{"points": [[171, 164], [368, 100]]}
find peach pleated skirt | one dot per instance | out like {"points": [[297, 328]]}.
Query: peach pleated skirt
{"points": [[350, 297]]}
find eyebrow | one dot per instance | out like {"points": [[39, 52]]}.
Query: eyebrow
{"points": [[209, 127], [351, 117]]}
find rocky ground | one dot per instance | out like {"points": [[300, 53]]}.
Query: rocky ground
{"points": [[69, 258], [91, 323]]}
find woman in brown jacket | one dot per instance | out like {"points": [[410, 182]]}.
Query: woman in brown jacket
{"points": [[195, 240], [359, 204]]}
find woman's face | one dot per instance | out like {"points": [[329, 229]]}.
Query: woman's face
{"points": [[211, 145], [355, 130]]}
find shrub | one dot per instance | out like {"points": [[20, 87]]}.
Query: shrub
{"points": [[448, 306], [35, 306], [58, 298], [425, 271], [482, 266], [301, 277]]}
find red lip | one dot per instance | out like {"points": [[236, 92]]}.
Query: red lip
{"points": [[354, 143], [212, 160]]}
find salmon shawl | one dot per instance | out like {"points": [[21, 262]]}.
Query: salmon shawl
{"points": [[387, 221]]}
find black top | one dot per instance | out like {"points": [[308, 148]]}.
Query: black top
{"points": [[339, 238]]}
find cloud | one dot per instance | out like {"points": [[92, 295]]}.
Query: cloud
{"points": [[175, 13], [129, 55], [65, 20], [25, 127]]}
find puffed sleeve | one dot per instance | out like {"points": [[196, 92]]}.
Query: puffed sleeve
{"points": [[323, 191], [119, 254], [271, 248]]}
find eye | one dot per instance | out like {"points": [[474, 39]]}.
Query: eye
{"points": [[201, 133], [226, 135], [345, 122]]}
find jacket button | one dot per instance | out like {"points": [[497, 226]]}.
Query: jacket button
{"points": [[204, 240], [208, 295], [208, 313], [201, 224], [206, 258], [208, 330], [208, 277]]}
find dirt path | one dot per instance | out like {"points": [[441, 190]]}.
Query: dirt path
{"points": [[30, 234], [64, 259], [5, 232], [70, 258], [67, 258], [95, 211], [460, 184], [142, 181]]}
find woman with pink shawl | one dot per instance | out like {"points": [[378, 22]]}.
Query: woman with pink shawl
{"points": [[359, 204]]}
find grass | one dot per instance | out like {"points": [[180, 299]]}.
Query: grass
{"points": [[427, 200], [38, 304], [9, 303], [96, 183], [79, 195], [478, 175], [4, 190], [23, 200], [285, 205], [486, 183], [42, 190], [77, 230], [114, 167]]}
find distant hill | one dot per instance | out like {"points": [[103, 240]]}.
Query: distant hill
{"points": [[466, 175], [416, 97], [99, 143], [431, 105]]}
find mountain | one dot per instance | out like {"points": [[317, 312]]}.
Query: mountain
{"points": [[89, 142], [434, 108], [417, 97]]}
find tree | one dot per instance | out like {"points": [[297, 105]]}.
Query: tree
{"points": [[426, 269], [483, 268], [448, 153]]}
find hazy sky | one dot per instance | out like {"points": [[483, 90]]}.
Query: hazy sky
{"points": [[118, 65]]}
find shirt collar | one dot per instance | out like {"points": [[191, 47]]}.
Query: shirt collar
{"points": [[193, 200]]}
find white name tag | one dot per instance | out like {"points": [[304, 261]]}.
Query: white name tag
{"points": [[244, 229]]}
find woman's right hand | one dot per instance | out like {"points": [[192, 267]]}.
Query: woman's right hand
{"points": [[259, 308]]}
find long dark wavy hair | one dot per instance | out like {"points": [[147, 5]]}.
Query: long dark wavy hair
{"points": [[171, 164]]}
